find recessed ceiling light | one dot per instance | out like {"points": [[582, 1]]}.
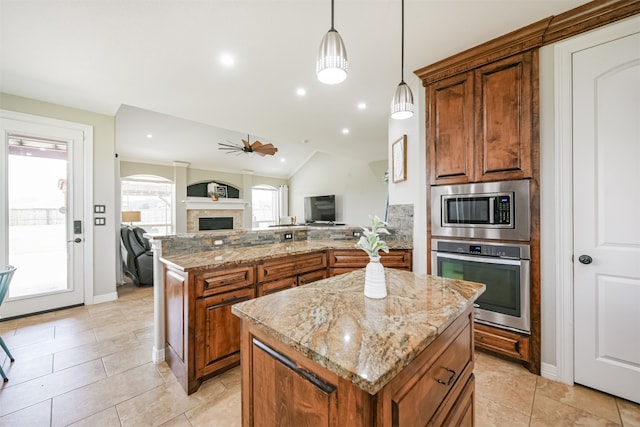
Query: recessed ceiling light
{"points": [[226, 59], [362, 105], [149, 136], [301, 91], [345, 131], [282, 160]]}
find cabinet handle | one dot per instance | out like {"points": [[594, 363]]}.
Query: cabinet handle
{"points": [[451, 378]]}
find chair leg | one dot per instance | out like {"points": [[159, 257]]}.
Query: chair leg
{"points": [[6, 350], [4, 377]]}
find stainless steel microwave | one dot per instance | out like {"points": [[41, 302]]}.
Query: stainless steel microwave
{"points": [[489, 210]]}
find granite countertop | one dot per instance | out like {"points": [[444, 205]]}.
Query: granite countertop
{"points": [[364, 340], [234, 256]]}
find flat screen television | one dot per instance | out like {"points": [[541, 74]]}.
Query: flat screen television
{"points": [[320, 208]]}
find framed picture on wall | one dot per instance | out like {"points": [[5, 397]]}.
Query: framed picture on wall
{"points": [[399, 159]]}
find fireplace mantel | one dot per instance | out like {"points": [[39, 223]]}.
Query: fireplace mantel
{"points": [[205, 203]]}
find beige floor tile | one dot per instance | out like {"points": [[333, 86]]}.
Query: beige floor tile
{"points": [[507, 383], [52, 346], [493, 414], [120, 328], [129, 358], [21, 371], [38, 415], [100, 395], [156, 406], [596, 403], [550, 413], [31, 392], [93, 350], [179, 421], [145, 335], [28, 336], [231, 378], [107, 418], [629, 412], [225, 411]]}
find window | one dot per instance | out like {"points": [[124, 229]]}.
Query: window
{"points": [[151, 196], [264, 202]]}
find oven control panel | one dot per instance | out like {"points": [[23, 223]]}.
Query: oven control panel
{"points": [[479, 249]]}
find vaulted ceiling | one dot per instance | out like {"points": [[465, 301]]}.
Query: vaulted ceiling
{"points": [[156, 65]]}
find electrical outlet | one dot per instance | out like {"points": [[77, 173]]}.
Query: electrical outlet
{"points": [[217, 242], [357, 233], [288, 236]]}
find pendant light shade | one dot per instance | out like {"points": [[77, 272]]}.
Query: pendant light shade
{"points": [[402, 101], [331, 65]]}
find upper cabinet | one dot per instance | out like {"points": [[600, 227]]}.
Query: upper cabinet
{"points": [[479, 123]]}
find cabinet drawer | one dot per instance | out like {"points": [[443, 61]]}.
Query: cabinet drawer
{"points": [[503, 342], [313, 276], [224, 280], [291, 266], [423, 399], [354, 259], [277, 285]]}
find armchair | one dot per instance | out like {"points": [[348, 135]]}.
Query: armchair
{"points": [[139, 257]]}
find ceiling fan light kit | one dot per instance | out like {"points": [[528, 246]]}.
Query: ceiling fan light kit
{"points": [[331, 64], [402, 101]]}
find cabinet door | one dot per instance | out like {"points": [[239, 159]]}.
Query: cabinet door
{"points": [[285, 394], [450, 130], [218, 331], [503, 108]]}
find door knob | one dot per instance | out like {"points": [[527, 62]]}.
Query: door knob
{"points": [[585, 259], [76, 240]]}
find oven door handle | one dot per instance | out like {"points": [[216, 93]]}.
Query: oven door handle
{"points": [[488, 260]]}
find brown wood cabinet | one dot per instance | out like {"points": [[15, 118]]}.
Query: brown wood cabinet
{"points": [[345, 260], [479, 123], [203, 337], [503, 342], [282, 387]]}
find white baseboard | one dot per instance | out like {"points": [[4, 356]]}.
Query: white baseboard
{"points": [[549, 371], [97, 299], [157, 355]]}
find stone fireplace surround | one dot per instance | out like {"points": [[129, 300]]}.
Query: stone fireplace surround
{"points": [[203, 207]]}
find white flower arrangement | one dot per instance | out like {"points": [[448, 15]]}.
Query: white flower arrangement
{"points": [[370, 242]]}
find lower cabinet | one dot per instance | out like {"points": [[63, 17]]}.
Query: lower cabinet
{"points": [[346, 260], [218, 331], [283, 387], [507, 343]]}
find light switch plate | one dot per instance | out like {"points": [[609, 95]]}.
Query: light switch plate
{"points": [[99, 208], [288, 236], [100, 220]]}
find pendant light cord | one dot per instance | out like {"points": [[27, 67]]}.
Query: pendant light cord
{"points": [[333, 29], [402, 47]]}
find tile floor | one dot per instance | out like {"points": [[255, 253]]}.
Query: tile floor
{"points": [[91, 366]]}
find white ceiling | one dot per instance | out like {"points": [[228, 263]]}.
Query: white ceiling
{"points": [[156, 65]]}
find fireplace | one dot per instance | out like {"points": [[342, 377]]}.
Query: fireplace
{"points": [[215, 223]]}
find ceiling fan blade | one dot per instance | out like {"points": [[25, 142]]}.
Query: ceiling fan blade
{"points": [[267, 150], [246, 144], [256, 145]]}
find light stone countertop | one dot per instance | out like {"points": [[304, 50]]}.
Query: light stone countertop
{"points": [[234, 256], [364, 340]]}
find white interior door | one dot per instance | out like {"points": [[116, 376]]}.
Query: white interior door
{"points": [[42, 218], [606, 158]]}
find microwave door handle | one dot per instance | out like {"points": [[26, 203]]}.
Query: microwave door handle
{"points": [[492, 210], [488, 260]]}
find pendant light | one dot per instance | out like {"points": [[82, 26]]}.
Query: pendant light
{"points": [[331, 65], [402, 101]]}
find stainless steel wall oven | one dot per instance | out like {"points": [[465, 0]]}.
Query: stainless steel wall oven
{"points": [[503, 268]]}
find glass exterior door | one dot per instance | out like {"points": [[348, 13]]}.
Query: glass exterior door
{"points": [[42, 217]]}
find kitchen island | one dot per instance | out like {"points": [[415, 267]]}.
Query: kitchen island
{"points": [[323, 354]]}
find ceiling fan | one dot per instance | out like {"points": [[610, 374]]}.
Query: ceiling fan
{"points": [[255, 147]]}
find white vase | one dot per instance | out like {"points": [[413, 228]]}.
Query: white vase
{"points": [[374, 283]]}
